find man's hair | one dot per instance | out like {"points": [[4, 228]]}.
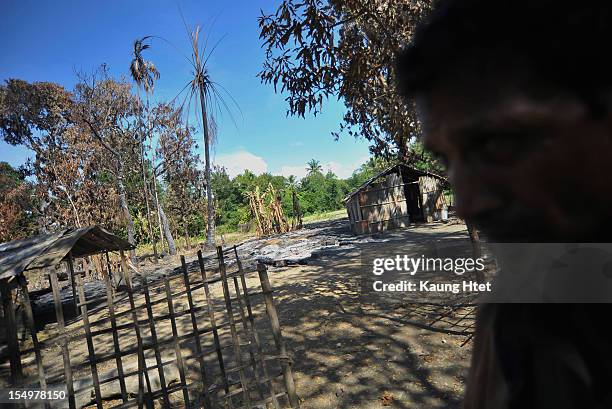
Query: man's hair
{"points": [[565, 45]]}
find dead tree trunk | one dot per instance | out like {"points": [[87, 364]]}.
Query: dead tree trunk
{"points": [[145, 185], [157, 207], [210, 206], [167, 231], [297, 212], [126, 211], [185, 227]]}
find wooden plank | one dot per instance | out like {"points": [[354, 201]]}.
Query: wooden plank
{"points": [[113, 322], [89, 339], [12, 340], [142, 363], [245, 327], [255, 335], [234, 334], [278, 338], [196, 336], [59, 313], [213, 322], [177, 347], [27, 306], [158, 360], [70, 264]]}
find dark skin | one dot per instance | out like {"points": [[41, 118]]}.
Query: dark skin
{"points": [[528, 164], [523, 168]]}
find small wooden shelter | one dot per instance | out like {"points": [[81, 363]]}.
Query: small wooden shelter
{"points": [[394, 198], [42, 252]]}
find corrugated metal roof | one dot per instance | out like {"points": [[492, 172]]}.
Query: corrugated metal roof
{"points": [[47, 250], [390, 170]]}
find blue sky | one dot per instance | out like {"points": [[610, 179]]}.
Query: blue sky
{"points": [[51, 40]]}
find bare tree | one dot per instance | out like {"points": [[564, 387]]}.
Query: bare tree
{"points": [[108, 109]]}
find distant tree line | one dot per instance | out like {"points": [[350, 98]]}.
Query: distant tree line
{"points": [[317, 192]]}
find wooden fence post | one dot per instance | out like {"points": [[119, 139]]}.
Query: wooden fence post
{"points": [[196, 332], [111, 312], [213, 322], [245, 327], [235, 338], [142, 363], [27, 306], [278, 338], [177, 346], [89, 340], [70, 264], [254, 334], [158, 359], [11, 333], [59, 312]]}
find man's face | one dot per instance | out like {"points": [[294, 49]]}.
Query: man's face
{"points": [[522, 168]]}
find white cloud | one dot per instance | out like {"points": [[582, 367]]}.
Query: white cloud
{"points": [[339, 169], [298, 171], [236, 162]]}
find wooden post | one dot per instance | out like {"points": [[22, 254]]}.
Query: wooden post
{"points": [[196, 333], [113, 320], [142, 363], [158, 360], [109, 275], [11, 333], [32, 326], [245, 327], [89, 339], [235, 339], [59, 312], [213, 323], [278, 338], [255, 335], [86, 266], [70, 264], [177, 346]]}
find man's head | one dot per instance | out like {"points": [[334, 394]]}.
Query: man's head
{"points": [[515, 96]]}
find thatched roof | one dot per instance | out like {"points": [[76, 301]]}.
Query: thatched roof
{"points": [[47, 250], [406, 170]]}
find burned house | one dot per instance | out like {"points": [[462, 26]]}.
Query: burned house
{"points": [[394, 198]]}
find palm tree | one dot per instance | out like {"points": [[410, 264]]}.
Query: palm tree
{"points": [[144, 74], [204, 90], [314, 166]]}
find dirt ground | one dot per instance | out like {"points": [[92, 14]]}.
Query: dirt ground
{"points": [[348, 351], [352, 354]]}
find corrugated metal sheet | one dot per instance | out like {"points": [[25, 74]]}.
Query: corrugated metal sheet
{"points": [[47, 250]]}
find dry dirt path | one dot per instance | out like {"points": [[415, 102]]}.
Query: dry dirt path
{"points": [[350, 354]]}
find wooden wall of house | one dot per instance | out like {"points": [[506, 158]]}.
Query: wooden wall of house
{"points": [[432, 195], [379, 207]]}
